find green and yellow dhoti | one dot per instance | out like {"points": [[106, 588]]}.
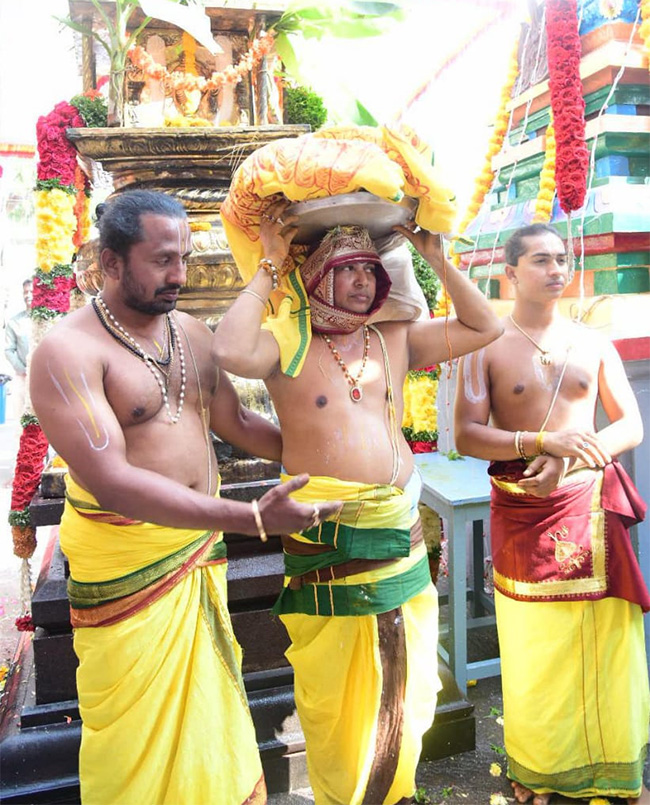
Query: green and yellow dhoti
{"points": [[362, 615], [161, 696]]}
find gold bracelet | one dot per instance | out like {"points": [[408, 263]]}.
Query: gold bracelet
{"points": [[258, 521], [255, 294], [539, 443], [271, 269]]}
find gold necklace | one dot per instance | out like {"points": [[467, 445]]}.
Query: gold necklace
{"points": [[356, 392], [545, 358]]}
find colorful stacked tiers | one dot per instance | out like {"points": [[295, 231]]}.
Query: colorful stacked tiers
{"points": [[611, 232]]}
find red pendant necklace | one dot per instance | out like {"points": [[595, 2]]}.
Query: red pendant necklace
{"points": [[356, 392]]}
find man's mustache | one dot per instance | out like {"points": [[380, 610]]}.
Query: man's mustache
{"points": [[167, 288]]}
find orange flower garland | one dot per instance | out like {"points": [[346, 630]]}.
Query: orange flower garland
{"points": [[177, 80], [546, 194]]}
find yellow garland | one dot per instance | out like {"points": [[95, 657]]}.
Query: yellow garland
{"points": [[644, 28], [546, 193], [486, 177], [56, 224], [420, 414]]}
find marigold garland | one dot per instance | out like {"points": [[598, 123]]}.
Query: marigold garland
{"points": [[62, 223], [420, 419], [189, 82], [56, 225], [564, 52], [546, 193], [484, 181], [644, 28]]}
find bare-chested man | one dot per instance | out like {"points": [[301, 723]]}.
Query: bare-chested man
{"points": [[569, 593], [127, 392], [362, 714]]}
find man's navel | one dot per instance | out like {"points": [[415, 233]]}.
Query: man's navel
{"points": [[321, 401], [518, 389]]}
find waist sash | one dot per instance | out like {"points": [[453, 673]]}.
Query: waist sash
{"points": [[368, 558], [573, 544]]}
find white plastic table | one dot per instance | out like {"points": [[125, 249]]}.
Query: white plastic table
{"points": [[459, 491]]}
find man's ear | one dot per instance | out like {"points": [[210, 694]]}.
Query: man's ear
{"points": [[111, 263], [510, 274]]}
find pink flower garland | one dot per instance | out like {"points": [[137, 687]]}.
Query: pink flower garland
{"points": [[54, 296], [568, 106], [29, 466], [56, 154]]}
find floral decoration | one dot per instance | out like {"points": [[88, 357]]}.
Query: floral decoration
{"points": [[62, 224], [484, 180], [644, 28], [546, 193], [178, 83], [564, 51], [420, 420]]}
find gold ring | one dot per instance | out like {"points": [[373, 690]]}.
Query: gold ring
{"points": [[279, 221], [315, 518], [269, 217]]}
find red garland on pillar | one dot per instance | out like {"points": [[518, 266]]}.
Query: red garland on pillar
{"points": [[564, 51]]}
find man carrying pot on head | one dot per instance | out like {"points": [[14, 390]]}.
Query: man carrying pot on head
{"points": [[358, 601]]}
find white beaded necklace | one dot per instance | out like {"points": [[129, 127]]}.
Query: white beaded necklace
{"points": [[150, 362]]}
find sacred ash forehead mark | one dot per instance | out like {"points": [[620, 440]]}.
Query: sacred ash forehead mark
{"points": [[184, 235], [96, 435]]}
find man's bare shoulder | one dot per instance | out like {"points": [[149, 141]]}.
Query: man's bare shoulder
{"points": [[76, 331]]}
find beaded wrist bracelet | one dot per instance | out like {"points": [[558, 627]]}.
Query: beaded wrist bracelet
{"points": [[271, 269]]}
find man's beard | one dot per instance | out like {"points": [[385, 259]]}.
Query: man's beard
{"points": [[133, 294]]}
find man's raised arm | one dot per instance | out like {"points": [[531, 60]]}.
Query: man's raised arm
{"points": [[475, 323]]}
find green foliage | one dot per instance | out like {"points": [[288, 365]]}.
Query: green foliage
{"points": [[420, 435], [363, 116], [28, 419], [93, 110], [349, 20], [498, 749], [421, 796], [55, 184], [495, 712], [302, 105], [19, 518], [426, 277], [453, 455]]}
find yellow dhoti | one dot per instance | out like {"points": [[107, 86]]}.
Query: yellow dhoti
{"points": [[575, 695], [165, 714], [363, 644]]}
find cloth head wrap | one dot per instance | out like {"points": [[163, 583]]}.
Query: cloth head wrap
{"points": [[340, 246]]}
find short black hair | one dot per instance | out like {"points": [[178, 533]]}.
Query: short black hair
{"points": [[515, 246], [120, 219]]}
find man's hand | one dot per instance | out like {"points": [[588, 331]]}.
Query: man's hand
{"points": [[583, 444], [542, 476], [282, 515], [277, 231], [428, 244]]}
